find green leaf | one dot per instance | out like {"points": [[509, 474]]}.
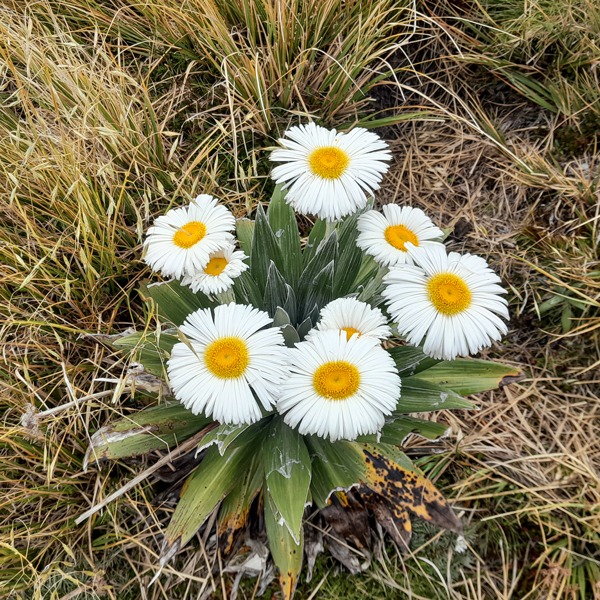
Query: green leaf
{"points": [[264, 250], [286, 553], [235, 508], [335, 466], [410, 360], [276, 290], [246, 291], [150, 349], [314, 240], [282, 219], [287, 473], [223, 436], [245, 233], [318, 293], [174, 302], [155, 428], [419, 395], [470, 376], [399, 427], [349, 257], [214, 478]]}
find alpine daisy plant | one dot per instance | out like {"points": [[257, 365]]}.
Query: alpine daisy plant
{"points": [[294, 365]]}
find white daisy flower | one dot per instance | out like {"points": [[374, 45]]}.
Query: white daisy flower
{"points": [[451, 300], [218, 275], [353, 317], [180, 242], [339, 388], [329, 174], [227, 356], [384, 236]]}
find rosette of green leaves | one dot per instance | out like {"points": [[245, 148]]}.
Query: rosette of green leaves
{"points": [[269, 465]]}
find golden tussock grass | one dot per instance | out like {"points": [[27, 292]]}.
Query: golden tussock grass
{"points": [[111, 112]]}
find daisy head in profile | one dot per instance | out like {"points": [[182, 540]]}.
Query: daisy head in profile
{"points": [[217, 276], [451, 303], [229, 362], [181, 241], [329, 174], [385, 235], [339, 388], [354, 318]]}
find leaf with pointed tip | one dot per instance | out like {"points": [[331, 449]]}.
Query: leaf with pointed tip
{"points": [[150, 349], [154, 428], [320, 292], [419, 395], [282, 219], [174, 302], [287, 473], [276, 290], [470, 376], [214, 478], [402, 487], [286, 553], [349, 257], [265, 250], [245, 233], [235, 508], [246, 291]]}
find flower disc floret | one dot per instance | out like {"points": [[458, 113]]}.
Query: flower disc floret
{"points": [[386, 236], [354, 318], [219, 273], [180, 242], [228, 357], [450, 303], [339, 388], [329, 174]]}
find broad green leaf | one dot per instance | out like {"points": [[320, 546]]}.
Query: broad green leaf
{"points": [[214, 478], [305, 326], [399, 427], [286, 553], [282, 219], [155, 428], [314, 240], [370, 283], [264, 250], [245, 233], [223, 436], [150, 349], [235, 508], [470, 376], [287, 473], [410, 360], [335, 466], [174, 302], [420, 395]]}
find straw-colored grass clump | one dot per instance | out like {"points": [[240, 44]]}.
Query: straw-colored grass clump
{"points": [[112, 112]]}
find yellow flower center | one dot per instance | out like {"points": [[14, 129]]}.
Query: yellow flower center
{"points": [[350, 331], [227, 357], [215, 266], [188, 235], [328, 162], [449, 293], [398, 235], [336, 380]]}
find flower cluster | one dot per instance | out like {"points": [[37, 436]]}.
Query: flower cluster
{"points": [[335, 380]]}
